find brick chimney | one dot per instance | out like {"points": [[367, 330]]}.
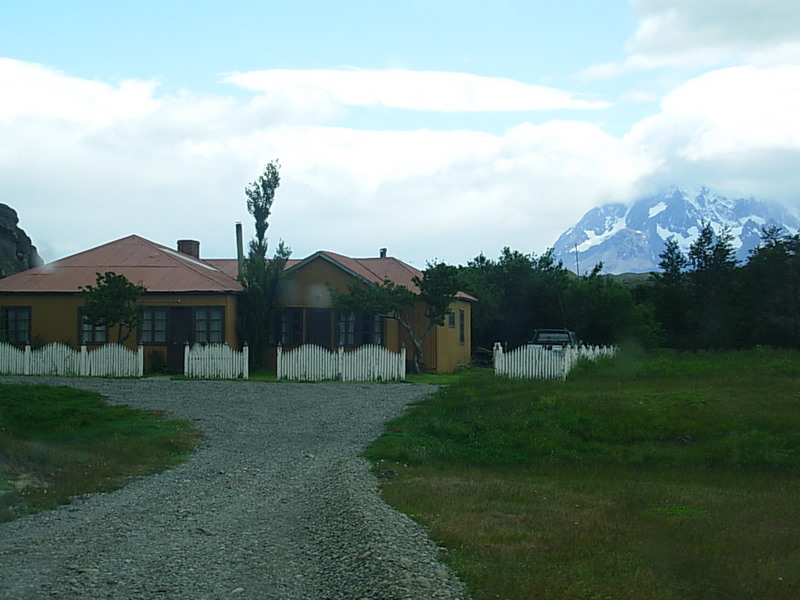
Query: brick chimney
{"points": [[383, 252], [190, 247]]}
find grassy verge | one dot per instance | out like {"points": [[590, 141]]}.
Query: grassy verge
{"points": [[672, 476], [59, 442]]}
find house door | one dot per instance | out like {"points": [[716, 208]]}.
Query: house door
{"points": [[180, 332], [318, 327]]}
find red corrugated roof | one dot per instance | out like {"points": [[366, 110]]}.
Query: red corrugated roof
{"points": [[230, 266], [374, 270], [162, 269], [156, 267]]}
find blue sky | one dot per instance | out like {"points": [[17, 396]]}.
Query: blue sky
{"points": [[438, 129]]}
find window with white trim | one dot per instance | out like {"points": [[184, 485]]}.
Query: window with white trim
{"points": [[346, 329], [355, 330], [208, 325], [92, 334]]}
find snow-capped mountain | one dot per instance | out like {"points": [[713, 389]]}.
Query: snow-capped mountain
{"points": [[629, 238]]}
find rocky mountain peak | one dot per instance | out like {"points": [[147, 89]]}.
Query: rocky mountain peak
{"points": [[629, 238], [17, 252]]}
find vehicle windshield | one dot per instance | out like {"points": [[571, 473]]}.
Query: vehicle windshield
{"points": [[551, 337], [554, 336]]}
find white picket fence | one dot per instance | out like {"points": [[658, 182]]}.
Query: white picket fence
{"points": [[215, 361], [367, 363], [537, 362], [109, 360]]}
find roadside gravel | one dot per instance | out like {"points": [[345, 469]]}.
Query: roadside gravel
{"points": [[275, 504]]}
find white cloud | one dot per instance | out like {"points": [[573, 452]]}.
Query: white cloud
{"points": [[730, 112], [637, 96], [36, 91], [732, 125], [176, 166], [734, 128], [676, 29], [707, 33], [447, 195], [415, 90]]}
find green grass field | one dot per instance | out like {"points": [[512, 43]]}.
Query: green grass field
{"points": [[59, 442], [664, 477]]}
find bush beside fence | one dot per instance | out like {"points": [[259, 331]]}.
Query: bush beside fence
{"points": [[367, 363], [537, 362]]}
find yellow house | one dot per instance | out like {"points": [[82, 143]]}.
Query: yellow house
{"points": [[187, 301], [192, 300], [307, 316]]}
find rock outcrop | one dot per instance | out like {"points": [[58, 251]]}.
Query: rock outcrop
{"points": [[17, 252]]}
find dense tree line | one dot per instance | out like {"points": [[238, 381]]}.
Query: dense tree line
{"points": [[707, 300], [518, 293], [702, 299]]}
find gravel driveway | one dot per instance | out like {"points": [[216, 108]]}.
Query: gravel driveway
{"points": [[275, 504]]}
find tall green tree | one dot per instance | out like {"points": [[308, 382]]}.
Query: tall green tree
{"points": [[258, 303], [673, 265], [113, 301], [260, 196], [603, 311], [713, 282], [478, 279], [670, 295], [771, 288], [550, 280], [516, 294], [261, 277], [438, 287]]}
